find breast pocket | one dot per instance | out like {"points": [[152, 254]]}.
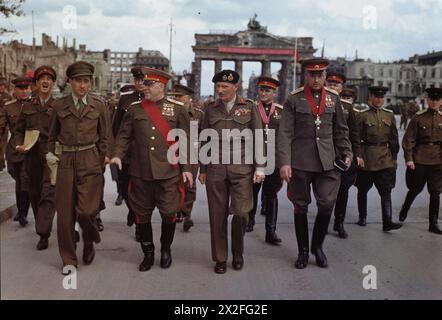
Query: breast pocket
{"points": [[67, 121], [31, 118]]}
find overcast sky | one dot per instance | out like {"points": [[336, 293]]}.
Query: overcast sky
{"points": [[381, 30]]}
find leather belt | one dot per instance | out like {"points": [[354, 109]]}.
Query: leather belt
{"points": [[375, 144], [65, 148]]}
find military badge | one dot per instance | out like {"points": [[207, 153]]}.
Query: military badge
{"points": [[230, 77], [168, 110], [329, 102], [242, 112], [224, 77]]}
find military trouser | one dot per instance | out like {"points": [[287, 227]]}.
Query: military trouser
{"points": [[78, 193], [190, 194], [229, 190], [41, 193], [17, 171], [348, 178], [3, 143]]}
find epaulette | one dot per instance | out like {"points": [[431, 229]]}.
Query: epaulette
{"points": [[175, 102], [345, 101], [198, 109], [388, 110], [440, 112], [244, 101], [98, 98], [126, 93], [422, 111], [135, 102], [279, 106], [296, 91], [331, 91], [10, 102], [366, 108]]}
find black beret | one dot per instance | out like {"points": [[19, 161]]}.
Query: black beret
{"points": [[228, 76]]}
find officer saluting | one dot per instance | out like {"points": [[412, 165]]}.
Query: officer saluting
{"points": [[422, 144], [312, 134], [79, 123], [376, 145], [229, 185], [154, 181]]}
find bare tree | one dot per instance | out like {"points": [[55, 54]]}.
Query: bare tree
{"points": [[10, 8]]}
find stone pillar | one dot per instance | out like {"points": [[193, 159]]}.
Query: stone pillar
{"points": [[238, 69], [286, 79], [266, 68], [196, 79], [218, 68]]}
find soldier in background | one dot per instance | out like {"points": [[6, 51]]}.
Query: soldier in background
{"points": [[184, 94], [422, 144], [376, 145], [404, 115], [36, 115], [4, 97], [14, 159]]}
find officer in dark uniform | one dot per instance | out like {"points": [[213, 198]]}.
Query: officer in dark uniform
{"points": [[36, 115], [128, 95], [376, 145], [14, 159], [312, 135], [154, 181], [422, 144], [184, 94], [270, 113], [4, 97], [336, 81], [229, 185]]}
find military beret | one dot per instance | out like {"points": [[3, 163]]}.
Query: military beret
{"points": [[22, 82], [156, 75], [434, 93], [315, 64], [44, 70], [228, 76], [348, 92], [180, 90], [378, 91], [137, 72], [335, 76], [268, 82], [80, 68]]}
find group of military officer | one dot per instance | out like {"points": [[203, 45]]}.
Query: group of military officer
{"points": [[321, 142]]}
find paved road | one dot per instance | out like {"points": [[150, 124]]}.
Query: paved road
{"points": [[408, 262]]}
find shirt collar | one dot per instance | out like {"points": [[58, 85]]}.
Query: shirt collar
{"points": [[74, 97]]}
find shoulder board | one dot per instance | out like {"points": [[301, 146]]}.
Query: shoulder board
{"points": [[361, 110], [135, 102], [331, 91], [10, 102], [440, 112], [198, 109], [388, 110], [279, 106], [423, 111], [126, 93], [251, 101], [296, 91], [175, 102], [345, 101]]}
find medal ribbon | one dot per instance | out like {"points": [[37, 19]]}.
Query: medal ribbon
{"points": [[311, 101], [262, 113]]}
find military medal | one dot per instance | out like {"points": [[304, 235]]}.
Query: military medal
{"points": [[317, 111], [266, 119], [318, 121]]}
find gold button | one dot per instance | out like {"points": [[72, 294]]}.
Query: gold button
{"points": [[153, 128], [153, 138], [153, 148], [317, 138]]}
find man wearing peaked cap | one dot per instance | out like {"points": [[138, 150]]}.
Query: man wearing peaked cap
{"points": [[4, 97], [422, 144], [180, 90], [45, 70], [80, 69], [348, 94], [155, 182], [315, 64], [230, 186]]}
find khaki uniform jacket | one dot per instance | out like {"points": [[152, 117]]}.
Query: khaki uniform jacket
{"points": [[303, 145], [149, 151], [375, 137], [12, 110], [422, 142]]}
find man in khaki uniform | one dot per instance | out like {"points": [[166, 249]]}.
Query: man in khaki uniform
{"points": [[15, 160], [312, 136], [229, 185], [154, 180], [422, 144], [184, 94], [376, 145], [36, 115], [79, 124], [4, 97], [270, 114]]}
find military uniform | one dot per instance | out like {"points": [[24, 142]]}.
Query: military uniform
{"points": [[310, 146], [80, 126], [154, 182], [36, 115], [4, 97], [375, 140], [422, 144]]}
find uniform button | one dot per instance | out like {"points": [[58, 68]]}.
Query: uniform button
{"points": [[153, 148], [317, 138], [153, 128], [153, 138]]}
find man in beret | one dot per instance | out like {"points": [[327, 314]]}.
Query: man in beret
{"points": [[376, 146], [312, 135], [36, 115], [155, 181], [422, 144], [336, 80], [184, 94], [270, 114], [15, 161], [4, 97], [128, 95], [230, 185], [80, 124]]}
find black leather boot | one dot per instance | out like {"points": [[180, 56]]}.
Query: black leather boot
{"points": [[362, 208], [271, 219], [146, 240], [23, 203], [387, 212], [434, 214], [301, 229], [319, 231], [130, 220], [340, 210], [167, 235], [119, 200], [406, 206], [251, 223]]}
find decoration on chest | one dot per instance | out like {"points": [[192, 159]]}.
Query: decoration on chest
{"points": [[277, 115], [329, 102], [242, 112], [168, 110]]}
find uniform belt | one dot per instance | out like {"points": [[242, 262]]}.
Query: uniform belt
{"points": [[434, 143], [375, 144], [65, 148]]}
